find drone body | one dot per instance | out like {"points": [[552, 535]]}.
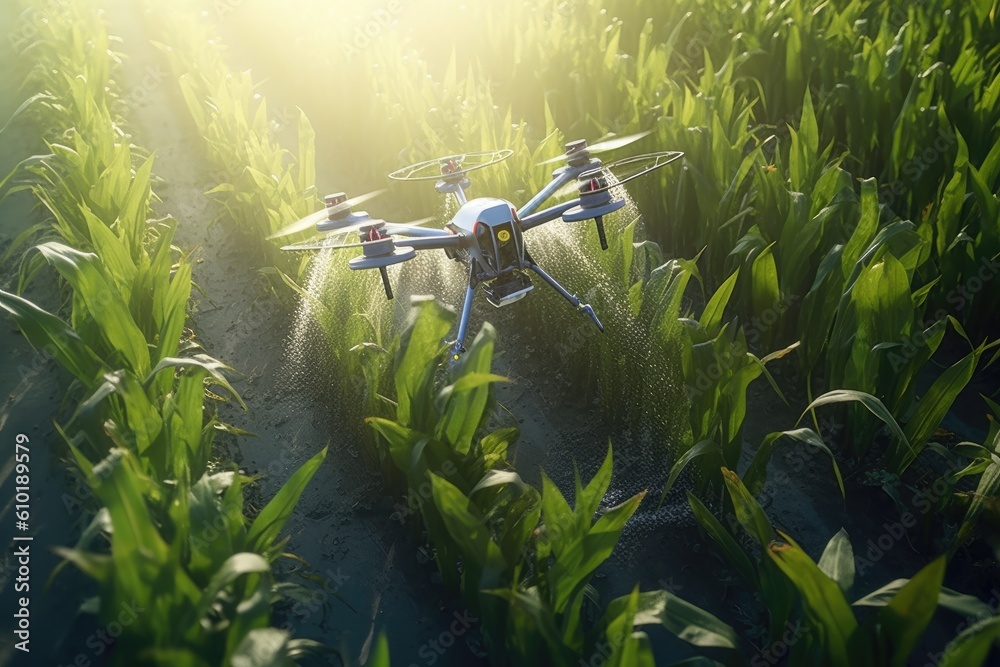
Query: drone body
{"points": [[487, 233], [496, 255]]}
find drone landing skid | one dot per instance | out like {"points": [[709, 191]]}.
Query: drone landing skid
{"points": [[579, 305], [379, 254], [515, 294]]}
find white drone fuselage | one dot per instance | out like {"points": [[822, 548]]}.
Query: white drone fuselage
{"points": [[495, 248]]}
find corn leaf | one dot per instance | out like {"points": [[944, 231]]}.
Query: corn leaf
{"points": [[734, 554], [826, 610], [265, 528], [837, 561], [51, 336]]}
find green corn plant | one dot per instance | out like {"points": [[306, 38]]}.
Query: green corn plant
{"points": [[160, 437], [164, 437], [820, 305], [983, 499], [261, 193], [878, 344], [969, 512], [436, 430], [455, 477], [815, 595], [87, 183], [762, 577], [715, 188], [718, 368], [546, 610], [522, 559], [261, 185], [800, 203], [923, 416], [197, 597], [905, 608], [143, 415], [132, 320]]}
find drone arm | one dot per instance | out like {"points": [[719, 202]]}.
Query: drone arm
{"points": [[413, 231], [547, 215], [431, 242], [570, 174]]}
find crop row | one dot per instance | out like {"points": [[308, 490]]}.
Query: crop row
{"points": [[523, 558], [169, 535]]}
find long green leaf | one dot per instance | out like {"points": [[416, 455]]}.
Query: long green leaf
{"points": [[104, 302], [973, 645], [824, 604], [837, 561], [901, 623], [684, 620], [51, 336], [265, 528], [730, 549], [873, 405]]}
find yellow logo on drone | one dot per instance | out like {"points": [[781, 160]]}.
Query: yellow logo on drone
{"points": [[503, 235]]}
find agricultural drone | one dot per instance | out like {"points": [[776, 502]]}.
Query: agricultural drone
{"points": [[487, 233]]}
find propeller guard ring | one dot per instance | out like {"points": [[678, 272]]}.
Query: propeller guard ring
{"points": [[430, 170]]}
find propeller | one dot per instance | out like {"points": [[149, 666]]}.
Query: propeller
{"points": [[622, 171], [331, 242], [576, 148], [626, 169], [314, 246], [337, 205], [450, 166], [594, 187]]}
